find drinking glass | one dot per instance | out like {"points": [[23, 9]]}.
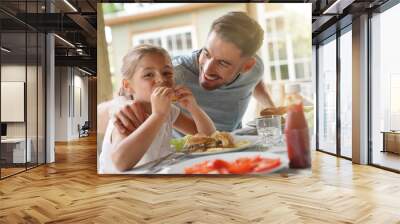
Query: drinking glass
{"points": [[269, 130]]}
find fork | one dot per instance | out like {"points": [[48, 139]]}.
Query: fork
{"points": [[155, 169]]}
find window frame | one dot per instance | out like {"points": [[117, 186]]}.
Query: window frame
{"points": [[162, 34], [334, 37], [279, 36]]}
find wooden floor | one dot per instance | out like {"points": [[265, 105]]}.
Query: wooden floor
{"points": [[387, 159], [10, 171], [70, 191]]}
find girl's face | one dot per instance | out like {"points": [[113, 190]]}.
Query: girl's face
{"points": [[153, 70]]}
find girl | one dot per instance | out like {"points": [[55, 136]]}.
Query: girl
{"points": [[148, 76]]}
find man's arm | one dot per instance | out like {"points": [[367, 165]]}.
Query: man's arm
{"points": [[262, 95]]}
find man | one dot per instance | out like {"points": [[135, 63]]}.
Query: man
{"points": [[222, 75]]}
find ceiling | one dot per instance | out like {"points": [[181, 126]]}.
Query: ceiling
{"points": [[74, 22], [330, 15]]}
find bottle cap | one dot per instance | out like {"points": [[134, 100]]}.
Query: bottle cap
{"points": [[292, 88]]}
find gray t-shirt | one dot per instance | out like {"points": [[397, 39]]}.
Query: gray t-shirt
{"points": [[225, 105]]}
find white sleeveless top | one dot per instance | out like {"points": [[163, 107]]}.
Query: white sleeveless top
{"points": [[159, 147]]}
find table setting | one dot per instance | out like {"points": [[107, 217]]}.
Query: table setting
{"points": [[258, 149]]}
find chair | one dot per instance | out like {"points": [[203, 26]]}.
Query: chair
{"points": [[84, 130]]}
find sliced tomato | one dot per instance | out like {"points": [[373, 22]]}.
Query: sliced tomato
{"points": [[257, 159], [239, 166], [267, 164], [223, 171], [200, 168], [220, 164]]}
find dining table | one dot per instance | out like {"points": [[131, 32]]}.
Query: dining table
{"points": [[159, 166]]}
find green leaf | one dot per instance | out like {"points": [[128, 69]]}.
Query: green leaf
{"points": [[178, 143]]}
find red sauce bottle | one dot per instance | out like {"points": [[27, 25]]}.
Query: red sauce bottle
{"points": [[296, 133]]}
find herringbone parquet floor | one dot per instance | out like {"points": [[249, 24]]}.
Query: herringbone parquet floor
{"points": [[70, 191]]}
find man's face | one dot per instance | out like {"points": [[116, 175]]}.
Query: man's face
{"points": [[219, 63]]}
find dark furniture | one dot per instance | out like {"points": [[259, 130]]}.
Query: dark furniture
{"points": [[84, 130], [391, 141]]}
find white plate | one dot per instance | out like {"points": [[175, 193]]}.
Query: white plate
{"points": [[179, 168], [246, 143]]}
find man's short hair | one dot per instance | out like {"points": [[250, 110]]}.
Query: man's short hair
{"points": [[241, 30]]}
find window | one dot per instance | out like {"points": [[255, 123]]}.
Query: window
{"points": [[299, 68], [346, 94], [288, 54], [277, 48], [385, 87], [282, 51], [110, 51], [394, 102], [22, 65], [280, 23], [273, 74], [284, 72], [327, 96], [176, 41], [302, 69]]}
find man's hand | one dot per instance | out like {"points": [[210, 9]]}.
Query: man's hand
{"points": [[129, 118]]}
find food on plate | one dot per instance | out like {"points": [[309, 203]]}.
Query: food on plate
{"points": [[282, 111], [218, 141], [274, 111], [224, 138], [244, 165], [178, 143], [200, 143]]}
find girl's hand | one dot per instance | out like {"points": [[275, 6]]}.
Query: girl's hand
{"points": [[161, 101], [185, 98]]}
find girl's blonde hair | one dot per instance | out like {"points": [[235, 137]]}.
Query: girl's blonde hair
{"points": [[132, 58]]}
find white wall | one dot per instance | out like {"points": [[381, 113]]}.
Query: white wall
{"points": [[34, 124], [67, 115], [14, 73], [61, 103], [80, 87]]}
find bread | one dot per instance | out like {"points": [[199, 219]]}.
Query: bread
{"points": [[224, 139], [200, 143], [174, 98], [273, 111]]}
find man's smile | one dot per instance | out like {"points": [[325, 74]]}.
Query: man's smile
{"points": [[210, 77]]}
